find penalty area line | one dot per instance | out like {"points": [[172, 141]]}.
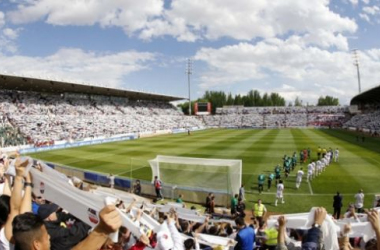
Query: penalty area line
{"points": [[118, 174]]}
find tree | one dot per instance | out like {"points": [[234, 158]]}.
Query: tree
{"points": [[185, 107], [328, 101], [266, 100], [277, 100], [297, 102], [252, 99], [249, 99], [257, 101], [230, 99], [238, 100]]}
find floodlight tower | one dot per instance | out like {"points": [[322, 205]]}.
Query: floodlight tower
{"points": [[356, 63], [189, 71]]}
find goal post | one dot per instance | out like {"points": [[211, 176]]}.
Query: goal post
{"points": [[200, 174]]}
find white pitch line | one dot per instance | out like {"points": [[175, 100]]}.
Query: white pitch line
{"points": [[130, 170], [303, 194], [311, 190]]}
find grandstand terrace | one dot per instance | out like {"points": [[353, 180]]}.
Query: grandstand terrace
{"points": [[45, 111], [367, 118], [274, 117]]}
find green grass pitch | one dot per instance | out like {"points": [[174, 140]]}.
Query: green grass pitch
{"points": [[260, 150]]}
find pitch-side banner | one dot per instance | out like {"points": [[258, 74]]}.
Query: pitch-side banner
{"points": [[329, 227], [83, 205]]}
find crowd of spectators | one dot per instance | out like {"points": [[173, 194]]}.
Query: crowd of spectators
{"points": [[10, 136], [30, 222], [240, 116], [42, 117], [368, 122]]}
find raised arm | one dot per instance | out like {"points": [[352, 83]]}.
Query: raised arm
{"points": [[110, 221], [7, 187], [344, 241], [373, 218], [281, 232], [202, 227], [16, 196], [314, 235], [129, 208], [177, 240], [26, 203]]}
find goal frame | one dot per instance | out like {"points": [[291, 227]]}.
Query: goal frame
{"points": [[233, 175]]}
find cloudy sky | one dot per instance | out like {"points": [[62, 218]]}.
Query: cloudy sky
{"points": [[293, 47]]}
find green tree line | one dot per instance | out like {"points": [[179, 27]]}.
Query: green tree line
{"points": [[328, 101], [253, 98]]}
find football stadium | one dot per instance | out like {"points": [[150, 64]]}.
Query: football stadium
{"points": [[102, 132], [263, 144]]}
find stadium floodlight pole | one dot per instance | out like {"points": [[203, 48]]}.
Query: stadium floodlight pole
{"points": [[189, 71], [356, 63]]}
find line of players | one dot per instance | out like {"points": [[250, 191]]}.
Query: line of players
{"points": [[314, 168]]}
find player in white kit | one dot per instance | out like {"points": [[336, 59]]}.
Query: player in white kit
{"points": [[319, 167], [314, 169], [323, 164], [299, 178], [328, 157], [309, 172], [279, 194], [336, 155]]}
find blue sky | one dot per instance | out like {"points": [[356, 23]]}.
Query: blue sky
{"points": [[293, 47]]}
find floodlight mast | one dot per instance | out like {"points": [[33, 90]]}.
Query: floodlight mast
{"points": [[356, 63], [189, 71]]}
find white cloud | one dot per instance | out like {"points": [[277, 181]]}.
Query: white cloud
{"points": [[190, 20], [2, 19], [366, 1], [78, 65], [354, 2], [369, 12], [7, 46], [326, 39], [365, 17], [374, 54], [7, 36], [305, 68], [11, 33], [131, 15], [247, 20], [374, 10]]}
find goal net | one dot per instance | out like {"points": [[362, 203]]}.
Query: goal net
{"points": [[198, 173]]}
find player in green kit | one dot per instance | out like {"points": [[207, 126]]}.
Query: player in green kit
{"points": [[277, 172], [285, 159], [261, 180], [270, 179], [287, 167], [301, 156], [294, 160]]}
